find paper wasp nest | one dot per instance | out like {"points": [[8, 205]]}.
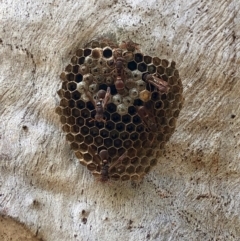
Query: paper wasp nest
{"points": [[118, 108]]}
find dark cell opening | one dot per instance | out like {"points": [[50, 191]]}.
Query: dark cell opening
{"points": [[126, 119], [108, 142], [81, 60], [84, 130], [100, 125], [111, 108], [117, 143], [132, 65], [75, 69], [138, 57], [75, 112], [110, 125], [104, 133], [80, 104], [78, 78], [116, 117], [120, 127], [142, 67], [131, 110], [107, 53], [140, 128], [80, 121], [76, 95], [134, 136], [138, 102], [71, 103], [94, 131], [90, 105], [137, 120], [88, 140], [155, 96], [89, 122], [130, 128], [87, 52], [112, 151], [85, 113], [103, 87], [114, 134], [124, 135]]}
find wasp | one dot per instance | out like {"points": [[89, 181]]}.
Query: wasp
{"points": [[106, 168], [146, 114], [100, 104], [129, 45], [160, 84]]}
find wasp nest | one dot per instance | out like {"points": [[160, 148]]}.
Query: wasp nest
{"points": [[118, 108]]}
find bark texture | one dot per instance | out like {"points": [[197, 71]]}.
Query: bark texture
{"points": [[193, 193]]}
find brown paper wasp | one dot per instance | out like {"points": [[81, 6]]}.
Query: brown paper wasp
{"points": [[161, 85]]}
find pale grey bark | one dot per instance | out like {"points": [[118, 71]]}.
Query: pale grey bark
{"points": [[193, 193]]}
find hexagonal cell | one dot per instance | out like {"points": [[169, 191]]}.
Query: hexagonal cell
{"points": [[165, 63], [160, 70], [78, 78], [74, 146], [79, 52], [85, 113], [94, 131], [70, 137], [120, 169], [74, 60], [87, 157], [117, 143], [145, 95], [81, 60], [63, 119], [110, 125], [132, 152], [75, 95], [78, 154], [88, 139], [89, 122], [75, 129], [114, 134], [99, 125], [138, 57], [84, 130], [158, 104], [140, 169], [130, 169], [87, 52], [132, 110], [71, 86], [71, 120], [132, 65], [90, 166], [151, 69], [142, 67], [80, 104], [122, 109], [134, 136], [66, 128], [71, 103], [67, 94], [69, 68], [79, 138], [127, 144], [135, 161], [107, 52], [130, 128], [70, 77], [169, 71], [126, 119], [147, 59], [140, 128], [155, 96], [115, 117], [96, 53], [80, 121], [144, 161], [112, 151], [98, 140], [153, 162], [66, 111], [125, 177], [108, 142], [120, 127], [124, 135], [104, 133], [136, 119]]}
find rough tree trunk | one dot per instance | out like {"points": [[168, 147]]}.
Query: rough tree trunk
{"points": [[192, 194]]}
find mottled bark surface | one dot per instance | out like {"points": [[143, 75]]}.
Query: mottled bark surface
{"points": [[192, 194]]}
